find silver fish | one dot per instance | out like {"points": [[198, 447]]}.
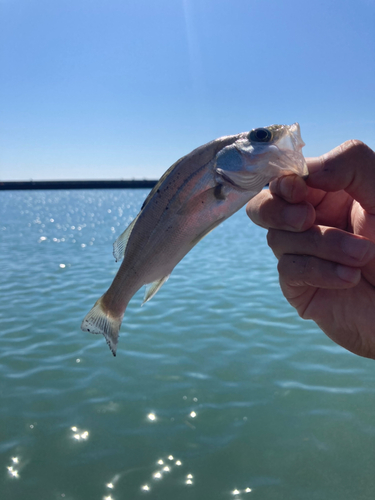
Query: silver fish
{"points": [[194, 196]]}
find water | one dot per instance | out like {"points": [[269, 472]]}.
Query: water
{"points": [[218, 390]]}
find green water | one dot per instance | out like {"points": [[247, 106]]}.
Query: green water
{"points": [[216, 376]]}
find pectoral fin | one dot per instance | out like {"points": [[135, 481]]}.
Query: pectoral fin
{"points": [[153, 288], [119, 246]]}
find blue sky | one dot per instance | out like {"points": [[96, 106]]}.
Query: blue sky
{"points": [[122, 89]]}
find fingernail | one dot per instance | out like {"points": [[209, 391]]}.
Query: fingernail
{"points": [[349, 274], [355, 248], [295, 215]]}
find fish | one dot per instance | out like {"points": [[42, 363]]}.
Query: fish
{"points": [[194, 196]]}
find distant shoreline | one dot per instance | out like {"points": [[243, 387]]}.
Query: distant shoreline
{"points": [[97, 184]]}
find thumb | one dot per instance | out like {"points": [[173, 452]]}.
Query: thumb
{"points": [[350, 167]]}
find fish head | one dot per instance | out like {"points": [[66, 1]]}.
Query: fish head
{"points": [[261, 155]]}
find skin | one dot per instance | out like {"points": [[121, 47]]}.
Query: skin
{"points": [[322, 232]]}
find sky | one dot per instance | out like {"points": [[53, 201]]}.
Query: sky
{"points": [[120, 89]]}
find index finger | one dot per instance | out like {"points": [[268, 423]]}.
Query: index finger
{"points": [[349, 167]]}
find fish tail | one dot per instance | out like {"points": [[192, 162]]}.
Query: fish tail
{"points": [[99, 321]]}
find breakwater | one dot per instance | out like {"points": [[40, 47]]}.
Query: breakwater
{"points": [[94, 184]]}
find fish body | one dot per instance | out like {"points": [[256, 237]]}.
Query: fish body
{"points": [[194, 196]]}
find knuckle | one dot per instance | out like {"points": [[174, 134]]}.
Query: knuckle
{"points": [[355, 144], [281, 266], [271, 238], [253, 209], [356, 148], [296, 268], [249, 209], [285, 266], [316, 238]]}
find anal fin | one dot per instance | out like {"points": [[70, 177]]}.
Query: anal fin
{"points": [[153, 288]]}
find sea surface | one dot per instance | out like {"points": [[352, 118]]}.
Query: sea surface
{"points": [[219, 390]]}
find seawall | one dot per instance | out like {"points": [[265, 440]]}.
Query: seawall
{"points": [[97, 184]]}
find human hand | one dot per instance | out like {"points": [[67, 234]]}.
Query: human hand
{"points": [[323, 233]]}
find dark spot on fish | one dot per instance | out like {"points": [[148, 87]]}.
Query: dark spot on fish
{"points": [[218, 192], [88, 329]]}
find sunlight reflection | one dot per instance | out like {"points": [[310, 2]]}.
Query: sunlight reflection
{"points": [[161, 474], [11, 470], [79, 435], [112, 483], [193, 414], [151, 416], [165, 467], [189, 479], [236, 491]]}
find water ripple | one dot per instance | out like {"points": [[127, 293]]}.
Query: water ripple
{"points": [[243, 392]]}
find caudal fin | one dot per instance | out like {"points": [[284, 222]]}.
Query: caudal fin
{"points": [[97, 321]]}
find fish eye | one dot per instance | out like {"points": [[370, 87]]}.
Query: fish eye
{"points": [[260, 135]]}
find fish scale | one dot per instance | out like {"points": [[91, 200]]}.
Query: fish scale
{"points": [[194, 196]]}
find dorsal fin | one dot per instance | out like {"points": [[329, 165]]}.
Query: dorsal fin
{"points": [[160, 182], [119, 246]]}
